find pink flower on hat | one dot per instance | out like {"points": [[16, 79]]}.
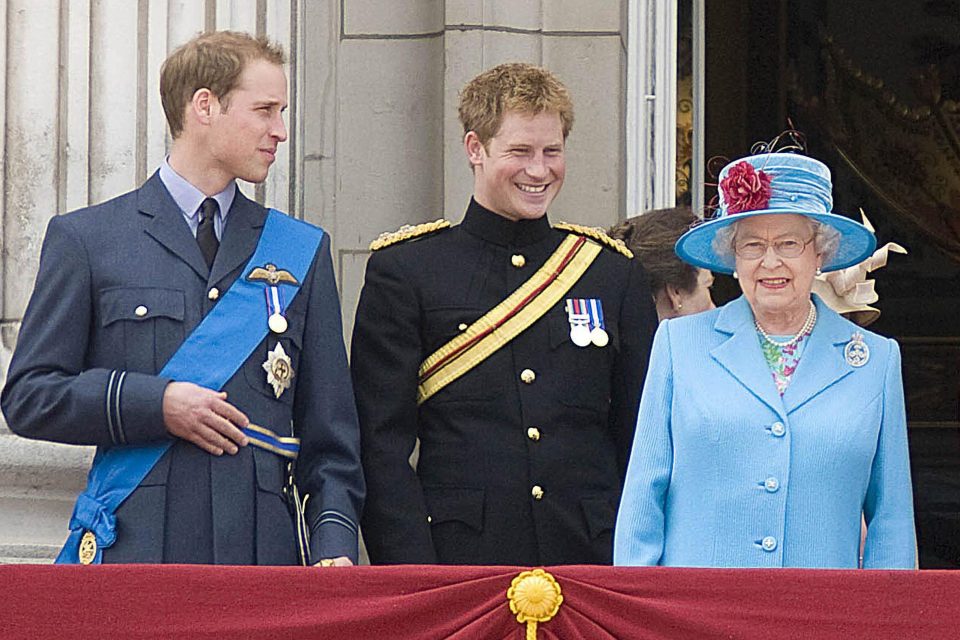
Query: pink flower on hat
{"points": [[745, 188]]}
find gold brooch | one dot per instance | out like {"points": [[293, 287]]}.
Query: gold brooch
{"points": [[279, 370]]}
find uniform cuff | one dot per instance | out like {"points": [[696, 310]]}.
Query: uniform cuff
{"points": [[135, 407], [334, 535]]}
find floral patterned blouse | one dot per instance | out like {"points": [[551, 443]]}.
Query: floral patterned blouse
{"points": [[783, 361]]}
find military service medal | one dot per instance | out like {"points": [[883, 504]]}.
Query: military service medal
{"points": [[598, 333], [579, 322], [586, 322], [279, 370], [275, 307], [857, 353]]}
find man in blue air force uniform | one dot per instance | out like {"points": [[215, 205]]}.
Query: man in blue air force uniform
{"points": [[124, 319]]}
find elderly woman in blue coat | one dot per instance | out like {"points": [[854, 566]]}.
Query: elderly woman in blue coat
{"points": [[768, 426]]}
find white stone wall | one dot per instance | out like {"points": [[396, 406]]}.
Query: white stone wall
{"points": [[374, 141]]}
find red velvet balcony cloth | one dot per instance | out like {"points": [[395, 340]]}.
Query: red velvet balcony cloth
{"points": [[427, 602]]}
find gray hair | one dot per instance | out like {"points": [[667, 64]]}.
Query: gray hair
{"points": [[826, 241]]}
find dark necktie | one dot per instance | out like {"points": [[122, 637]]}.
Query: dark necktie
{"points": [[206, 234]]}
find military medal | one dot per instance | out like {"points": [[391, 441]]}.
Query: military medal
{"points": [[279, 370], [275, 308], [598, 334], [579, 322], [272, 277], [857, 353]]}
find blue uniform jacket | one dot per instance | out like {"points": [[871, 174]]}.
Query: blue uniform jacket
{"points": [[726, 473], [84, 373]]}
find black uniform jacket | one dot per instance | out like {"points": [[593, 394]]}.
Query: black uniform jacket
{"points": [[120, 286], [509, 472]]}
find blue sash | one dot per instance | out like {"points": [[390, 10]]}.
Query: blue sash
{"points": [[222, 341]]}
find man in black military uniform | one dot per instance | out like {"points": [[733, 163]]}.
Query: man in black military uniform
{"points": [[515, 352]]}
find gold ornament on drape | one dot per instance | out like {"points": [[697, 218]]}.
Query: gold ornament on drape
{"points": [[534, 597]]}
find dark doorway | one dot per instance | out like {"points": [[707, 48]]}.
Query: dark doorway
{"points": [[875, 86]]}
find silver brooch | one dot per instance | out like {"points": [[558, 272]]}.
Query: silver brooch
{"points": [[857, 353]]}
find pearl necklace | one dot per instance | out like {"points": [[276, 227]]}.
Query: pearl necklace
{"points": [[804, 330]]}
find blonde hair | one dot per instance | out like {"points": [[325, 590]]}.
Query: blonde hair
{"points": [[514, 86], [213, 61]]}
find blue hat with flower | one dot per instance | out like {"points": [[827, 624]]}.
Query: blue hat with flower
{"points": [[773, 183]]}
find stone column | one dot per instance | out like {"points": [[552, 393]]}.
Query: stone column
{"points": [[37, 480], [81, 112], [389, 133]]}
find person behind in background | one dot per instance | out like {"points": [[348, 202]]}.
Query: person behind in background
{"points": [[769, 425], [679, 289], [181, 322], [514, 350]]}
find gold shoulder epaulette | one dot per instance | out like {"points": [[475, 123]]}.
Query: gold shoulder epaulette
{"points": [[597, 234], [406, 232]]}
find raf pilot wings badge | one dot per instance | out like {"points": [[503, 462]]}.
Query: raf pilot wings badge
{"points": [[271, 276]]}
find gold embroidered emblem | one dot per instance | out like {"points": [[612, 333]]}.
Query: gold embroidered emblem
{"points": [[596, 233], [407, 232], [270, 274], [88, 548], [279, 370]]}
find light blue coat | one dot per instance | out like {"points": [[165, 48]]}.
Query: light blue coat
{"points": [[726, 473]]}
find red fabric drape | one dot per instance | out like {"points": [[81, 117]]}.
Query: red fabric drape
{"points": [[425, 602]]}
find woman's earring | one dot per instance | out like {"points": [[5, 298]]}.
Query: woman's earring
{"points": [[819, 272], [736, 276], [679, 306]]}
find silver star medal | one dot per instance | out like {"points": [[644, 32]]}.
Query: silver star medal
{"points": [[279, 370], [857, 353]]}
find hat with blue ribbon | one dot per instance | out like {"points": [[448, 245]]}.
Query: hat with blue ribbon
{"points": [[774, 183]]}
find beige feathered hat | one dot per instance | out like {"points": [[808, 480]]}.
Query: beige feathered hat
{"points": [[847, 291]]}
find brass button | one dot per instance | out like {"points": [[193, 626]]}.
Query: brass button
{"points": [[533, 433], [528, 376], [214, 293], [140, 311], [518, 260], [537, 492], [462, 326]]}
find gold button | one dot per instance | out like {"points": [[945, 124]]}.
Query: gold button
{"points": [[533, 433], [140, 311], [213, 294], [528, 376], [518, 260], [537, 492], [462, 326]]}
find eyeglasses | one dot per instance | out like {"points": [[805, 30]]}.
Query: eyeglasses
{"points": [[785, 248]]}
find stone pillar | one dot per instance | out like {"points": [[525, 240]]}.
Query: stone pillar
{"points": [[36, 479], [389, 134], [82, 119]]}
